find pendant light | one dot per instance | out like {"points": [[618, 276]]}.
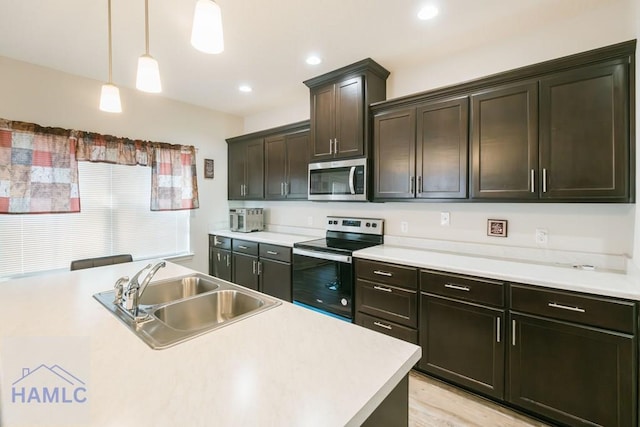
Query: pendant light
{"points": [[110, 94], [148, 78], [206, 34]]}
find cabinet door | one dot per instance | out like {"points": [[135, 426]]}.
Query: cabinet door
{"points": [[504, 124], [441, 149], [220, 263], [255, 170], [394, 154], [245, 270], [584, 140], [275, 279], [464, 343], [235, 173], [573, 374], [275, 167], [297, 166], [322, 122], [349, 118]]}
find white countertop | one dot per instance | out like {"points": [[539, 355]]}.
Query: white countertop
{"points": [[284, 366], [269, 237], [599, 282]]}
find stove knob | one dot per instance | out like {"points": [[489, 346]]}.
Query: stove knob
{"points": [[368, 224], [344, 302], [374, 225]]}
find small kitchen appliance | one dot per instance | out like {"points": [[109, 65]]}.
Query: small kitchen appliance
{"points": [[246, 220]]}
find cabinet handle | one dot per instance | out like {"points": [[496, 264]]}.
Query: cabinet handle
{"points": [[286, 188], [498, 329], [259, 268], [566, 307], [335, 145], [382, 273], [457, 287], [382, 288], [282, 188], [218, 256], [228, 260], [272, 252], [513, 333], [419, 187], [243, 247], [254, 266], [533, 181], [411, 184], [382, 325], [215, 241], [330, 146], [544, 180]]}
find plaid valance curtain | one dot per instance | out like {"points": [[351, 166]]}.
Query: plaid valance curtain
{"points": [[39, 169]]}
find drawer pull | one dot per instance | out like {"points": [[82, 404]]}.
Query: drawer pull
{"points": [[382, 288], [272, 252], [498, 329], [382, 273], [566, 307], [513, 333], [382, 325], [243, 247], [457, 287]]}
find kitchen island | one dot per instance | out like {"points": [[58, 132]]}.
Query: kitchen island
{"points": [[284, 366]]}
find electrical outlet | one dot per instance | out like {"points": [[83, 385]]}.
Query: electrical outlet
{"points": [[444, 219], [541, 236], [404, 226]]}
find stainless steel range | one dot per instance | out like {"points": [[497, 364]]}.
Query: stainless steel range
{"points": [[323, 276]]}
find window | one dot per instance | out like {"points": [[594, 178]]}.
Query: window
{"points": [[115, 218]]}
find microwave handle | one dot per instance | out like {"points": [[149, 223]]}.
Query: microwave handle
{"points": [[352, 174]]}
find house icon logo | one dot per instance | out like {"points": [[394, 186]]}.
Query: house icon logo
{"points": [[48, 385]]}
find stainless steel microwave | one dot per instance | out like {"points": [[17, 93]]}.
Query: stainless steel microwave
{"points": [[338, 180]]}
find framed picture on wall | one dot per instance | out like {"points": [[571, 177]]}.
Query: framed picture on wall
{"points": [[497, 227], [208, 168]]}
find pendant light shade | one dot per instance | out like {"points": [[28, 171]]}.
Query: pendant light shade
{"points": [[206, 35], [148, 77], [110, 94]]}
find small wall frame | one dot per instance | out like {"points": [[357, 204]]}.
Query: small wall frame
{"points": [[208, 168]]}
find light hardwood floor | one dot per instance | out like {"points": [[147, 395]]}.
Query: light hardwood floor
{"points": [[434, 403]]}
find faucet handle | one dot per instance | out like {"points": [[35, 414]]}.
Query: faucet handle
{"points": [[119, 286]]}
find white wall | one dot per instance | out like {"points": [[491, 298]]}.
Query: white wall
{"points": [[51, 98], [589, 228]]}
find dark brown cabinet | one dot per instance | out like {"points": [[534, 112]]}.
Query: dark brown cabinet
{"points": [[572, 358], [220, 257], [584, 133], [421, 152], [339, 109], [286, 166], [245, 169], [462, 330], [386, 299], [245, 263], [504, 148]]}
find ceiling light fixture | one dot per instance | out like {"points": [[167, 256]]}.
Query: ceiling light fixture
{"points": [[206, 34], [110, 94], [428, 12], [148, 78], [313, 60], [245, 88]]}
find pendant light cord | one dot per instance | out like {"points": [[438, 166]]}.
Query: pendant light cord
{"points": [[146, 25], [110, 52]]}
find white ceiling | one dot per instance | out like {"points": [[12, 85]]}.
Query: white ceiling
{"points": [[266, 42]]}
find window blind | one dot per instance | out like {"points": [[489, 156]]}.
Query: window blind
{"points": [[115, 218]]}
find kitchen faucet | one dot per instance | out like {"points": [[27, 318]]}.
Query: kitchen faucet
{"points": [[129, 299]]}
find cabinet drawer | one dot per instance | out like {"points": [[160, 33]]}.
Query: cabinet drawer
{"points": [[387, 328], [245, 247], [387, 302], [391, 274], [484, 291], [220, 242], [603, 312], [275, 252]]}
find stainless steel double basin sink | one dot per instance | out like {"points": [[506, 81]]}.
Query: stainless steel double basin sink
{"points": [[185, 307]]}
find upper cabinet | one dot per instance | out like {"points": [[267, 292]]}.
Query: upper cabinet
{"points": [[340, 109], [269, 164], [558, 131]]}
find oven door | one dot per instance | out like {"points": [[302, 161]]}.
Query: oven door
{"points": [[323, 281]]}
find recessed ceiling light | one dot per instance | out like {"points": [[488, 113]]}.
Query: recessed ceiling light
{"points": [[313, 60], [428, 12], [245, 88]]}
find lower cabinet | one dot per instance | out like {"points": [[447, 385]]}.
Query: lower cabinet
{"points": [[245, 270], [461, 335], [274, 268], [565, 361], [220, 257]]}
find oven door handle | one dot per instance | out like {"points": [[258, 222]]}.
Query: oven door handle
{"points": [[322, 255]]}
